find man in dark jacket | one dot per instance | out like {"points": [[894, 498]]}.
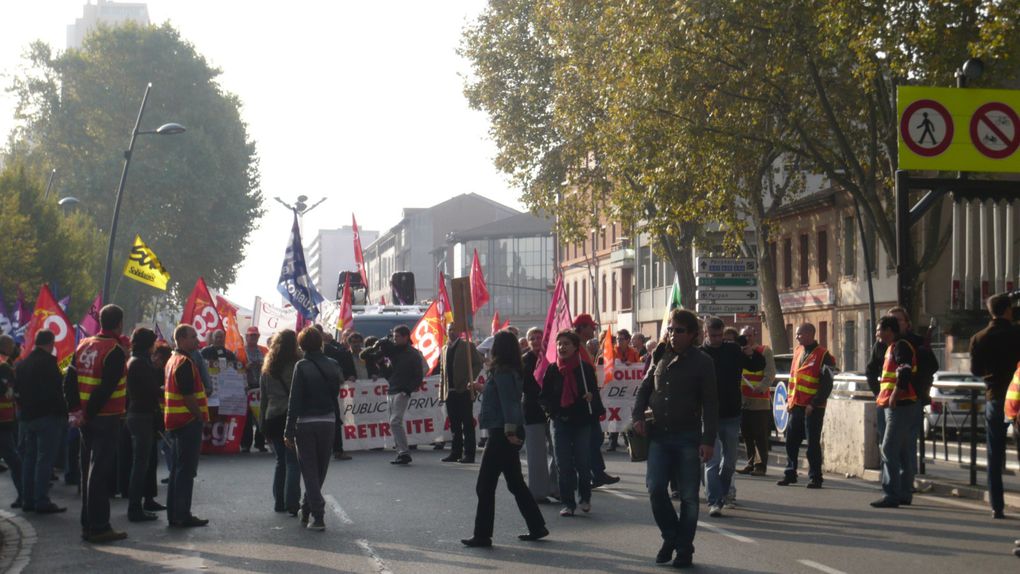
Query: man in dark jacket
{"points": [[217, 349], [44, 414], [994, 353], [405, 376], [677, 406], [7, 423], [456, 377], [343, 357]]}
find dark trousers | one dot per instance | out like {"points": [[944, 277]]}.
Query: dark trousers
{"points": [[501, 457], [42, 445], [98, 464], [142, 481], [595, 460], [72, 470], [252, 433], [462, 423], [125, 458], [314, 442], [338, 433], [186, 446], [573, 449], [800, 427], [995, 434], [286, 477], [754, 427], [673, 458], [9, 454]]}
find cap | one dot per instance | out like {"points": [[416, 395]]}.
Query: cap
{"points": [[584, 320], [252, 331]]}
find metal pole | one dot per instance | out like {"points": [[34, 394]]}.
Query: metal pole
{"points": [[973, 436], [49, 183], [904, 284], [120, 194]]}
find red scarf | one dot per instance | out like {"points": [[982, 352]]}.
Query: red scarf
{"points": [[566, 367]]}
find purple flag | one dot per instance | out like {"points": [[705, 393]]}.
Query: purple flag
{"points": [[90, 322]]}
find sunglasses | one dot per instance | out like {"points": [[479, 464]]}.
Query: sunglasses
{"points": [[677, 330]]}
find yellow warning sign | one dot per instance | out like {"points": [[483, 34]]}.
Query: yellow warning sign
{"points": [[958, 129]]}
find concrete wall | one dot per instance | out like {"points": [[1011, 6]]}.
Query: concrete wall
{"points": [[850, 437]]}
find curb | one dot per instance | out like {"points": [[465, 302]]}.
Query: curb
{"points": [[18, 537]]}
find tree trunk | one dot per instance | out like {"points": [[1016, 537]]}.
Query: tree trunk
{"points": [[679, 252], [767, 285]]}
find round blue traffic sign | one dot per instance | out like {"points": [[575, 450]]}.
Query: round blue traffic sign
{"points": [[779, 414]]}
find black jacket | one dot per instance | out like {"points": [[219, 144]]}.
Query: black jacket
{"points": [[577, 413], [343, 357], [681, 392], [143, 382], [7, 381], [405, 372], [994, 353], [730, 362], [314, 390], [39, 386], [533, 413]]}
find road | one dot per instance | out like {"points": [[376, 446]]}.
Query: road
{"points": [[384, 519]]}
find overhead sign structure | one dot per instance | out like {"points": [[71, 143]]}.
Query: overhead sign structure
{"points": [[958, 129], [728, 295], [728, 308], [726, 265]]}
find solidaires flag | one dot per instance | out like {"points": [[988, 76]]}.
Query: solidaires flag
{"points": [[143, 266]]}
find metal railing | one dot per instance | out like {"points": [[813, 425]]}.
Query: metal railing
{"points": [[975, 391]]}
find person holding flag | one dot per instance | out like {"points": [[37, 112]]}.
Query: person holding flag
{"points": [[458, 371]]}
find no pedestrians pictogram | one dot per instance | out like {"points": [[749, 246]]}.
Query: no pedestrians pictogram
{"points": [[926, 127], [993, 130]]}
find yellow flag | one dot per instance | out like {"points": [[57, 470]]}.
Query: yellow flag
{"points": [[143, 266]]}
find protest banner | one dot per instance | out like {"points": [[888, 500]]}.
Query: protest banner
{"points": [[228, 404], [270, 319], [619, 392]]}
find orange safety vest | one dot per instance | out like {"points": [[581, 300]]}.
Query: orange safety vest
{"points": [[1013, 395], [175, 412], [804, 376], [89, 359], [750, 380], [887, 384]]}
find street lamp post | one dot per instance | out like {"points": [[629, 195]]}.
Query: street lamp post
{"points": [[165, 129]]}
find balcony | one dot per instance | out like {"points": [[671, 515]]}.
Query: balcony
{"points": [[622, 254]]}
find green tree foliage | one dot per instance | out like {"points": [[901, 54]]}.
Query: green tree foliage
{"points": [[44, 245], [193, 197]]}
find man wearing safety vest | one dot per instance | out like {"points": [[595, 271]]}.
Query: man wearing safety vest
{"points": [[897, 401], [809, 387], [184, 416], [756, 415], [7, 421], [102, 394]]}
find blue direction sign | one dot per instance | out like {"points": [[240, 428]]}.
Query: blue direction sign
{"points": [[779, 414], [726, 265]]}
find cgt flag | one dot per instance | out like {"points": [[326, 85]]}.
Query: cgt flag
{"points": [[48, 315], [200, 312], [479, 291], [429, 336], [295, 285], [143, 266]]}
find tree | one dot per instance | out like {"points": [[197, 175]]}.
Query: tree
{"points": [[194, 198], [43, 245]]}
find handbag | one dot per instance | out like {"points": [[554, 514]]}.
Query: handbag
{"points": [[638, 445]]}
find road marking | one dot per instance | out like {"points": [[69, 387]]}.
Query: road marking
{"points": [[727, 533], [618, 494], [337, 509], [822, 567], [26, 538], [380, 566]]}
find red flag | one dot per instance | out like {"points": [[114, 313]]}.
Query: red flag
{"points": [[557, 319], [345, 320], [495, 322], [429, 336], [445, 309], [479, 292], [89, 324], [359, 256], [228, 316], [48, 315], [200, 312], [608, 355]]}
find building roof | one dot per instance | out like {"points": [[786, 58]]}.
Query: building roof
{"points": [[818, 199], [518, 225]]}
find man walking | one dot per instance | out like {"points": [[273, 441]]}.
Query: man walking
{"points": [[810, 387], [676, 406], [756, 410], [185, 413], [994, 354], [102, 391], [897, 401], [44, 420], [457, 375]]}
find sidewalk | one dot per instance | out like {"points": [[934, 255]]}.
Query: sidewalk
{"points": [[17, 537]]}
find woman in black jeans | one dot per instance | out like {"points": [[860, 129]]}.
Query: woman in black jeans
{"points": [[142, 422], [311, 421], [274, 393], [503, 418]]}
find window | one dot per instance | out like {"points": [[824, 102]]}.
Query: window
{"points": [[626, 289], [804, 259], [612, 229], [612, 293], [787, 262], [849, 247], [823, 256], [584, 296], [604, 308], [849, 346], [602, 234], [644, 267], [574, 300], [823, 333], [656, 281]]}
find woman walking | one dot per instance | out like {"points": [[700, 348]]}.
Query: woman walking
{"points": [[274, 387], [573, 407], [143, 422], [503, 418], [311, 421]]}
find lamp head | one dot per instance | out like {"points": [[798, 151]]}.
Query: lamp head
{"points": [[170, 129]]}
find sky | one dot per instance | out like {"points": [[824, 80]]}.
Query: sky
{"points": [[360, 102]]}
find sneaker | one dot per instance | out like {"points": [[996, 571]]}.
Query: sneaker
{"points": [[304, 516], [467, 460], [585, 506], [105, 536], [318, 524], [1016, 552], [786, 481], [566, 511], [715, 510], [665, 553]]}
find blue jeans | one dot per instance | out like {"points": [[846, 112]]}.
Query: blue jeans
{"points": [[995, 434], [286, 478], [9, 454], [674, 456], [897, 475], [42, 445], [719, 470], [800, 427], [915, 436], [187, 445], [573, 449]]}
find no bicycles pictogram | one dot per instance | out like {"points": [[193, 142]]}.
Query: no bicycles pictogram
{"points": [[926, 127], [993, 130]]}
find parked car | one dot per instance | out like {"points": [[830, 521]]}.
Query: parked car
{"points": [[951, 404]]}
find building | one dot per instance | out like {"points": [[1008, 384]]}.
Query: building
{"points": [[518, 261], [418, 242], [598, 275], [106, 13], [332, 251]]}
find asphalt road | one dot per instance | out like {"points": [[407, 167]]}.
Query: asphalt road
{"points": [[384, 519]]}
